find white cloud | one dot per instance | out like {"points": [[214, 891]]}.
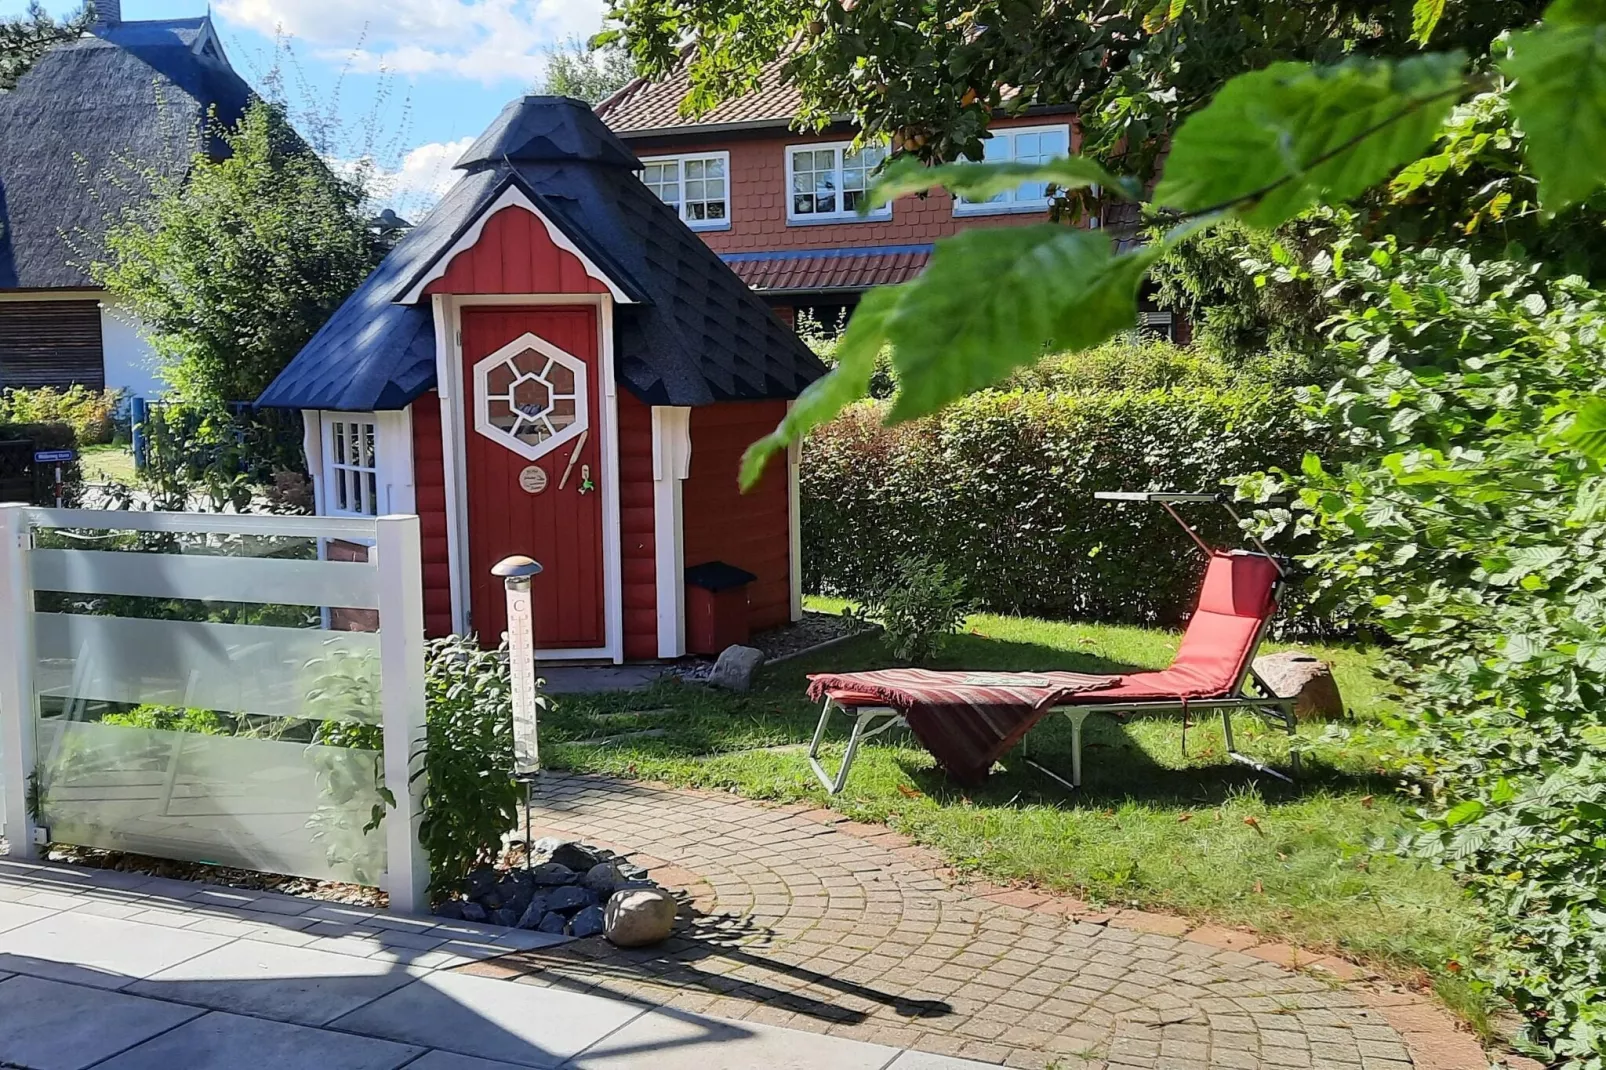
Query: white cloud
{"points": [[485, 40], [422, 178]]}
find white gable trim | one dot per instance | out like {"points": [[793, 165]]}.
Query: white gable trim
{"points": [[512, 197]]}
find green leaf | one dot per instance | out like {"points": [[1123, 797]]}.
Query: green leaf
{"points": [[997, 298], [850, 380], [1274, 142], [1588, 429], [1463, 812], [1591, 501], [1425, 16], [1593, 812], [1560, 100], [983, 181]]}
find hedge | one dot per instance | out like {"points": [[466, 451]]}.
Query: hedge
{"points": [[999, 487]]}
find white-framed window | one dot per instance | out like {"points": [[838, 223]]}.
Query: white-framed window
{"points": [[1023, 144], [830, 181], [697, 186], [351, 464], [1157, 325]]}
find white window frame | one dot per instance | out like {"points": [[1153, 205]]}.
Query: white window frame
{"points": [[392, 460], [341, 474], [680, 161], [1011, 202], [842, 214]]}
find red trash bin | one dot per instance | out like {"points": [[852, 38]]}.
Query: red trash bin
{"points": [[716, 607]]}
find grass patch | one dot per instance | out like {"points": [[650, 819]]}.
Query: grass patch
{"points": [[1198, 836], [109, 463]]}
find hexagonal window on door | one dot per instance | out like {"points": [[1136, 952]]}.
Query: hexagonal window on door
{"points": [[530, 396]]}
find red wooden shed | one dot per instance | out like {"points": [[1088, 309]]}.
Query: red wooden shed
{"points": [[551, 363]]}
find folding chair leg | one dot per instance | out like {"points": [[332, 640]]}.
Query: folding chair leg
{"points": [[1259, 767], [834, 784]]}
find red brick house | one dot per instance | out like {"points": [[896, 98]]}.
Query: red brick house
{"points": [[779, 206]]}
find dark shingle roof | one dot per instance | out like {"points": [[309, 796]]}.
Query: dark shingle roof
{"points": [[137, 91], [644, 107], [693, 333]]}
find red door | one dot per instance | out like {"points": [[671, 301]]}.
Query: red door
{"points": [[532, 394]]}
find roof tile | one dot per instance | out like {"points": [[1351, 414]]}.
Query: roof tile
{"points": [[644, 106], [833, 269]]}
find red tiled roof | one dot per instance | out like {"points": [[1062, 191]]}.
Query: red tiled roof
{"points": [[644, 106], [828, 269]]}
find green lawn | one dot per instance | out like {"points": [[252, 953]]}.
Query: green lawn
{"points": [[1198, 836], [108, 463]]}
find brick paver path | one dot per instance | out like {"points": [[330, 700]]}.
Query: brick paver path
{"points": [[801, 921]]}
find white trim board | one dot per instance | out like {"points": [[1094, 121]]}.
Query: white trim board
{"points": [[512, 197], [450, 385], [671, 464]]}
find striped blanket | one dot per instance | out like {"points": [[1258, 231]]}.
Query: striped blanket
{"points": [[967, 720]]}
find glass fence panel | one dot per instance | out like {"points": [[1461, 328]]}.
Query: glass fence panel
{"points": [[232, 668], [275, 805], [198, 696]]}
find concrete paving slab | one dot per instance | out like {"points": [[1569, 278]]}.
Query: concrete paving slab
{"points": [[47, 1025], [679, 1040], [104, 952], [287, 984], [15, 915], [219, 1041], [591, 679], [520, 1024], [925, 1060], [446, 1060]]}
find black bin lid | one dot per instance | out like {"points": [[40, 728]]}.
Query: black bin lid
{"points": [[717, 576]]}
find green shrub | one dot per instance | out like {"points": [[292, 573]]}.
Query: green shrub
{"points": [[170, 719], [1473, 532], [471, 799], [92, 414], [919, 606], [999, 488]]}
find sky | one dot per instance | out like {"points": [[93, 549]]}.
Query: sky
{"points": [[410, 82]]}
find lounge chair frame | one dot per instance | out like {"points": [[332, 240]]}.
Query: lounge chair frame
{"points": [[1265, 702]]}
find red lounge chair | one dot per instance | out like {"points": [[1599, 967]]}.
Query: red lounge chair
{"points": [[968, 720]]}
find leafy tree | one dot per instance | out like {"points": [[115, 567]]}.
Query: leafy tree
{"points": [[234, 267], [26, 37], [574, 69]]}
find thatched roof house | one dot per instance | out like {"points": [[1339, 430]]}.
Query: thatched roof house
{"points": [[138, 93]]}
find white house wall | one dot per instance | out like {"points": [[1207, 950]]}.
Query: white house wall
{"points": [[129, 360]]}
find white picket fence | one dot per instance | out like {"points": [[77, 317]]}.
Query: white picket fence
{"points": [[270, 798]]}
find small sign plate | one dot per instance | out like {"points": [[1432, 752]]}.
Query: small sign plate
{"points": [[54, 456], [533, 479]]}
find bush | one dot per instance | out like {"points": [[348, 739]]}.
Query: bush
{"points": [[998, 489], [1473, 532], [229, 453], [918, 607], [471, 799], [92, 414]]}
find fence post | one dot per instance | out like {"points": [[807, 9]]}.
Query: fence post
{"points": [[17, 751], [401, 697], [137, 427]]}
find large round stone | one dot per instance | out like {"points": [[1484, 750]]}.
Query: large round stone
{"points": [[639, 917], [1304, 678]]}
